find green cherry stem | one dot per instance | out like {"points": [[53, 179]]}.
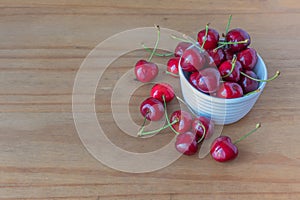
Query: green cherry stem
{"points": [[259, 80], [167, 118], [253, 92], [237, 42], [170, 73], [157, 54], [156, 43], [246, 135], [179, 39], [186, 39], [203, 135], [228, 24], [232, 66], [205, 37], [157, 130]]}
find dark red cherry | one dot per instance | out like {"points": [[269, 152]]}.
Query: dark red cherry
{"points": [[222, 149], [248, 84], [228, 54], [192, 60], [145, 71], [197, 127], [172, 65], [248, 58], [184, 121], [152, 109], [193, 79], [208, 80], [180, 48], [186, 143], [162, 89], [225, 70], [212, 38], [238, 35], [217, 57], [229, 90]]}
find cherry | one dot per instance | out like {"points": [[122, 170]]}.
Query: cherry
{"points": [[238, 35], [209, 37], [180, 48], [152, 109], [186, 143], [248, 58], [229, 90], [193, 79], [216, 57], [162, 89], [145, 70], [207, 80], [192, 59], [248, 84], [184, 121], [222, 148], [203, 125], [230, 70], [172, 66], [228, 54]]}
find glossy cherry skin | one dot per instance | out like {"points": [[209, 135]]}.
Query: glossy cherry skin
{"points": [[152, 109], [180, 48], [248, 84], [228, 54], [172, 65], [186, 143], [238, 35], [162, 89], [225, 69], [212, 38], [192, 60], [193, 79], [222, 149], [184, 121], [145, 71], [198, 129], [230, 90], [207, 80], [248, 58], [217, 57]]}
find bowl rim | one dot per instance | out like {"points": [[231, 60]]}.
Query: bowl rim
{"points": [[233, 100]]}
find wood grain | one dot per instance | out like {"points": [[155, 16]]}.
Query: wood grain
{"points": [[43, 43]]}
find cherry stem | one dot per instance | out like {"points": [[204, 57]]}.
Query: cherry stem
{"points": [[205, 37], [259, 80], [143, 125], [237, 42], [170, 73], [246, 135], [228, 24], [186, 39], [219, 47], [167, 118], [156, 43], [141, 133], [157, 54], [252, 92], [179, 39], [204, 133], [232, 66]]}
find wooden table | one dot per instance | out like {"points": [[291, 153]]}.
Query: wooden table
{"points": [[43, 44]]}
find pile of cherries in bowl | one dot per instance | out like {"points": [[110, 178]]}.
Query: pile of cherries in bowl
{"points": [[220, 67]]}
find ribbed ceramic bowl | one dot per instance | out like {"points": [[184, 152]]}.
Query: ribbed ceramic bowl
{"points": [[222, 111]]}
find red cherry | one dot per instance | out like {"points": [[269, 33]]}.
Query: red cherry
{"points": [[162, 89], [193, 79], [238, 35], [248, 58], [228, 54], [217, 57], [197, 127], [186, 143], [192, 60], [229, 90], [152, 109], [180, 48], [172, 65], [207, 80], [145, 71], [184, 121], [248, 84], [222, 149], [226, 73], [212, 38]]}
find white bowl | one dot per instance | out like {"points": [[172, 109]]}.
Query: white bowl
{"points": [[222, 111]]}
